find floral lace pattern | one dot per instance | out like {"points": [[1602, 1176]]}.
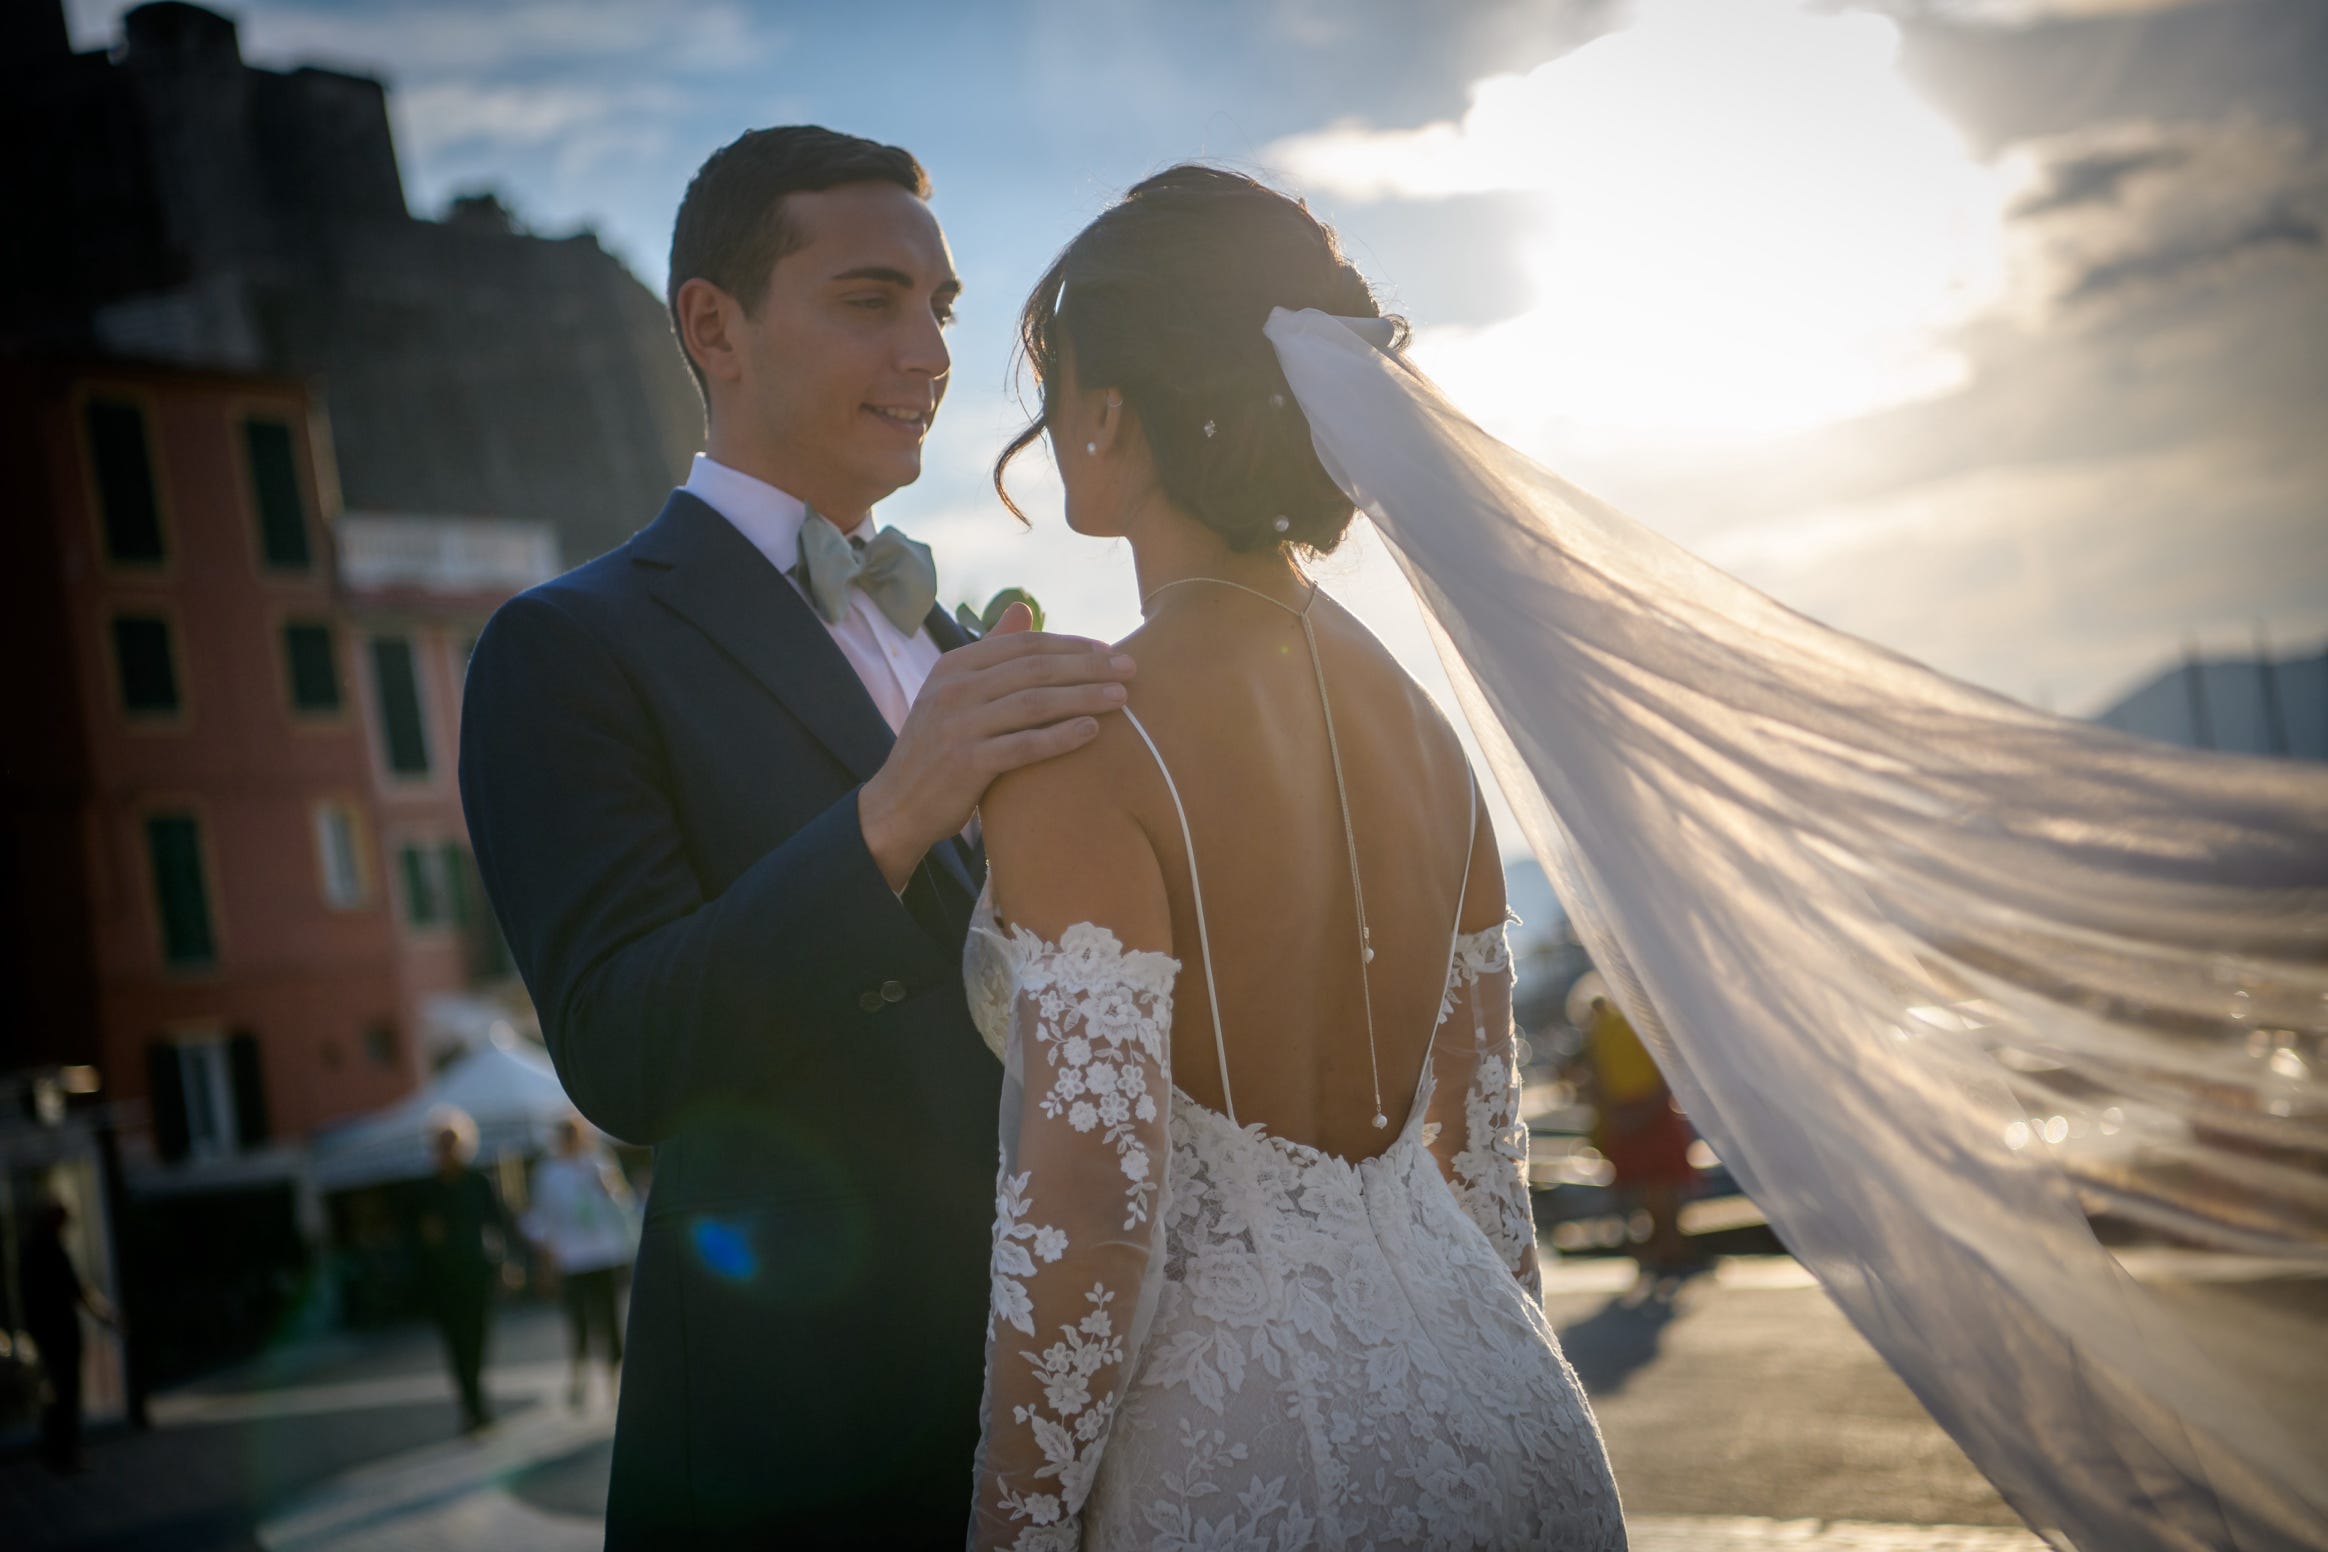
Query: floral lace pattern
{"points": [[1488, 1169], [1084, 1031], [1269, 1347]]}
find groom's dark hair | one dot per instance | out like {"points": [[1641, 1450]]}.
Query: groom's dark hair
{"points": [[731, 230]]}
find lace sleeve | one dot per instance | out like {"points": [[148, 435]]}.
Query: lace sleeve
{"points": [[1475, 1128], [1077, 1231]]}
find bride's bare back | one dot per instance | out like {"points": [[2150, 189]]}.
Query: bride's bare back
{"points": [[1227, 691]]}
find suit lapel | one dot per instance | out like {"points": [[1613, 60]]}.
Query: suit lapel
{"points": [[708, 573], [705, 571]]}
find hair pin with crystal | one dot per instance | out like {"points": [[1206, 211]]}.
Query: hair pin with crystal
{"points": [[1210, 428]]}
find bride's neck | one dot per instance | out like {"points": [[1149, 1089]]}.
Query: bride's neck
{"points": [[1169, 546]]}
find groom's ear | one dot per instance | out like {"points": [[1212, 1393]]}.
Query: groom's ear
{"points": [[707, 319]]}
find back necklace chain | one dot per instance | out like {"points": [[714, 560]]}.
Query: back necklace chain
{"points": [[1341, 793]]}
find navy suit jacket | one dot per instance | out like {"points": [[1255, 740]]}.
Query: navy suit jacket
{"points": [[661, 753]]}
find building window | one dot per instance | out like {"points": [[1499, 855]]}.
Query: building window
{"points": [[174, 847], [428, 894], [207, 1081], [127, 497], [397, 684], [208, 1096], [380, 1044], [338, 843], [436, 883], [274, 475], [312, 660], [141, 655]]}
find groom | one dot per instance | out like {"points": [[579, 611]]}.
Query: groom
{"points": [[717, 781]]}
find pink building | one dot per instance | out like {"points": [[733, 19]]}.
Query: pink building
{"points": [[229, 789]]}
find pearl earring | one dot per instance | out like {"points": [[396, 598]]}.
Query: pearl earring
{"points": [[1282, 524], [1092, 448]]}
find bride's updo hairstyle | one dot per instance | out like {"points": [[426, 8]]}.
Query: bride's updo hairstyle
{"points": [[1163, 299]]}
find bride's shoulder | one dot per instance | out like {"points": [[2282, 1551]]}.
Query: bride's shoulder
{"points": [[1063, 846]]}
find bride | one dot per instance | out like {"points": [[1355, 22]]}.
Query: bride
{"points": [[1946, 982], [1264, 1270]]}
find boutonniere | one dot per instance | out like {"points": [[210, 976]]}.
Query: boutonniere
{"points": [[980, 622]]}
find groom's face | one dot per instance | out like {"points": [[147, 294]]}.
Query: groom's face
{"points": [[844, 360]]}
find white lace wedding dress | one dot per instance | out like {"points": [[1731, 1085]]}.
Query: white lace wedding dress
{"points": [[1204, 1336]]}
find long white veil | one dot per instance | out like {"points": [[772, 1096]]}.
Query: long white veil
{"points": [[1945, 980]]}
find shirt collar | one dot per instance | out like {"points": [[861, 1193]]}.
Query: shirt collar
{"points": [[769, 517]]}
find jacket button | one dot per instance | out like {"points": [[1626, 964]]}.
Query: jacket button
{"points": [[893, 991], [871, 1002]]}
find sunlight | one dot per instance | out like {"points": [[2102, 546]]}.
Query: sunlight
{"points": [[1750, 225]]}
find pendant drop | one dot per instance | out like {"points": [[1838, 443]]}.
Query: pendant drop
{"points": [[1370, 953], [1380, 1120]]}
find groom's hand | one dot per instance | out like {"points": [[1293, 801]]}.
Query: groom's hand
{"points": [[1009, 699]]}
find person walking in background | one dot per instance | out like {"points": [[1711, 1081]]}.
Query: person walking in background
{"points": [[1644, 1138], [54, 1297], [582, 1217], [464, 1236]]}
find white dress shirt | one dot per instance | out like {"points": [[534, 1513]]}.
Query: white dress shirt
{"points": [[890, 664]]}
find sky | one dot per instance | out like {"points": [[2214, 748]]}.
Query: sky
{"points": [[1995, 331]]}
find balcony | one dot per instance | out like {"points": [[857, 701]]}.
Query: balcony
{"points": [[383, 553]]}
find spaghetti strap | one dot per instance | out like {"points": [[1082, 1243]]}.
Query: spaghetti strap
{"points": [[1203, 936]]}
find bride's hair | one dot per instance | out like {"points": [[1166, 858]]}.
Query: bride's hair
{"points": [[1162, 299]]}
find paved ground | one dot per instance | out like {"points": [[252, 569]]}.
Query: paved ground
{"points": [[1742, 1412], [224, 1454]]}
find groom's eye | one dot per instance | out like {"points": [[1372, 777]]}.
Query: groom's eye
{"points": [[945, 314]]}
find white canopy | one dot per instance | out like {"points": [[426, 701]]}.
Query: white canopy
{"points": [[504, 1083]]}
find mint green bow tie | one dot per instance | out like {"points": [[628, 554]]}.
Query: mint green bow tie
{"points": [[895, 572]]}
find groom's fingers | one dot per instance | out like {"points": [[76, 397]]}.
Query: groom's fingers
{"points": [[1013, 750], [1038, 670], [1039, 708], [1018, 617], [1003, 647]]}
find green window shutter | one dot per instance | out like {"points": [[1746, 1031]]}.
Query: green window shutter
{"points": [[422, 908], [394, 675], [141, 653], [126, 496], [166, 1099], [314, 667], [174, 847], [456, 876], [274, 470]]}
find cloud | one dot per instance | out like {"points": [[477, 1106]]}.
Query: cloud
{"points": [[1745, 221], [2067, 71], [426, 38], [448, 115], [2133, 461], [2121, 209], [2108, 562], [2024, 12], [2274, 229], [1673, 88], [2094, 179]]}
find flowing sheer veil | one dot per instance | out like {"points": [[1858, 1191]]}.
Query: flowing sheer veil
{"points": [[1944, 979]]}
